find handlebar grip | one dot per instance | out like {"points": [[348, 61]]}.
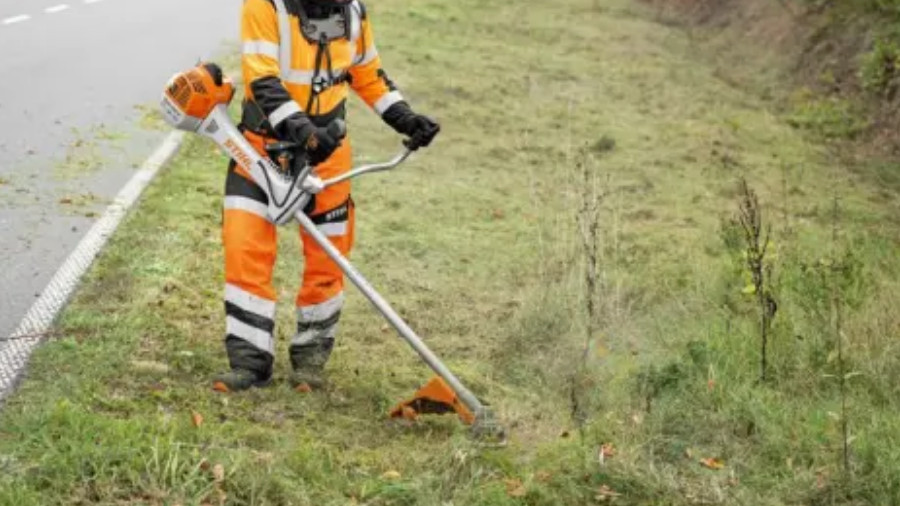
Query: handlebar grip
{"points": [[421, 138], [337, 129], [279, 148]]}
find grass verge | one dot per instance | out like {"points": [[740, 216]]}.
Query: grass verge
{"points": [[477, 243]]}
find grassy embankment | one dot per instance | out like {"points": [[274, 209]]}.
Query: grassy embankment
{"points": [[477, 242]]}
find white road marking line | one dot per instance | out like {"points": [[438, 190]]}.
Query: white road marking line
{"points": [[91, 1], [16, 19], [56, 8], [14, 351]]}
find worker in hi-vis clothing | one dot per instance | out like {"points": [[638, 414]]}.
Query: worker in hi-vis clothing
{"points": [[300, 59]]}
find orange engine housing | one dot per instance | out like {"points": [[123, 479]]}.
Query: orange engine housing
{"points": [[197, 92]]}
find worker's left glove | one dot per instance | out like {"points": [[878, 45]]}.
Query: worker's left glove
{"points": [[420, 129], [321, 143]]}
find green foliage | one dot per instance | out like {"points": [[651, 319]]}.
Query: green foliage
{"points": [[880, 69], [888, 8], [829, 117]]}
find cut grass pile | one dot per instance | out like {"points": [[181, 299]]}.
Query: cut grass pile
{"points": [[476, 243]]}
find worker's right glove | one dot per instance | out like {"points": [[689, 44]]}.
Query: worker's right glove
{"points": [[322, 143]]}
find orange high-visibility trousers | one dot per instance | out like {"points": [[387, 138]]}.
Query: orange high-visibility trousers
{"points": [[250, 242]]}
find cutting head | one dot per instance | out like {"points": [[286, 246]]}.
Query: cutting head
{"points": [[192, 95], [436, 397]]}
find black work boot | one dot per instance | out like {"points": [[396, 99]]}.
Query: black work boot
{"points": [[250, 367], [237, 380], [308, 362]]}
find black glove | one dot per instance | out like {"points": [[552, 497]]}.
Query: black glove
{"points": [[316, 143], [420, 129], [323, 142]]}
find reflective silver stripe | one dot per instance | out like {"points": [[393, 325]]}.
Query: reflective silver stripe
{"points": [[386, 101], [366, 57], [285, 37], [313, 335], [323, 311], [261, 47], [246, 204], [333, 229], [249, 302], [298, 76], [257, 337], [284, 111], [305, 77], [355, 21]]}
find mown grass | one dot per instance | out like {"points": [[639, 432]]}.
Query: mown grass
{"points": [[475, 242]]}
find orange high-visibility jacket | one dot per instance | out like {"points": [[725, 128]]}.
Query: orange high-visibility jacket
{"points": [[281, 70]]}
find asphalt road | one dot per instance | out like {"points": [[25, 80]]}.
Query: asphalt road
{"points": [[77, 77]]}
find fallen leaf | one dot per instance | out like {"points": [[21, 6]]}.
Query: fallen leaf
{"points": [[821, 480], [710, 384], [543, 476], [385, 328], [204, 465], [303, 388], [712, 463], [219, 473], [515, 488], [606, 451], [196, 419], [391, 475], [733, 480], [604, 493], [65, 200], [498, 214]]}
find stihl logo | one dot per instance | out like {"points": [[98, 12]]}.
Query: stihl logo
{"points": [[237, 154], [336, 214]]}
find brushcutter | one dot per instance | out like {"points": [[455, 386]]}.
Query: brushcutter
{"points": [[197, 101]]}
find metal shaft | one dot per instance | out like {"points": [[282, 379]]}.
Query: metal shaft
{"points": [[467, 397]]}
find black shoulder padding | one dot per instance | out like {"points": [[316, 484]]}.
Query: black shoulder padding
{"points": [[362, 10], [293, 6]]}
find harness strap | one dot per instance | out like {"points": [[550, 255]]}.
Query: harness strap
{"points": [[319, 83]]}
